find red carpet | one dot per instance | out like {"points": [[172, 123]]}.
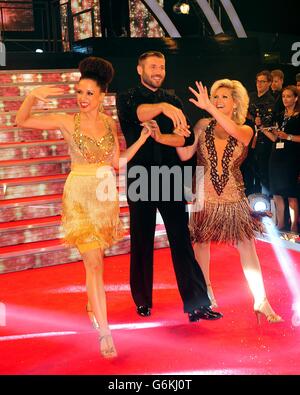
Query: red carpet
{"points": [[47, 331]]}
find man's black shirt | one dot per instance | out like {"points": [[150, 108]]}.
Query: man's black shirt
{"points": [[278, 106], [262, 106], [151, 153]]}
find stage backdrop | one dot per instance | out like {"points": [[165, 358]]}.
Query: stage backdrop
{"points": [[188, 59]]}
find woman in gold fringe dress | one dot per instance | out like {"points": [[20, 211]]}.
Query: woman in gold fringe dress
{"points": [[90, 215], [225, 215]]}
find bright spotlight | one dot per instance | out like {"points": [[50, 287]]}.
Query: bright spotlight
{"points": [[296, 314], [182, 7], [39, 50], [259, 202], [260, 206], [288, 267]]}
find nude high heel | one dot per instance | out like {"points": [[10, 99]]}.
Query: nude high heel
{"points": [[264, 309]]}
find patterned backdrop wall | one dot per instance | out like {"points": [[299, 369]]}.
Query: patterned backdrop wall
{"points": [[16, 16]]}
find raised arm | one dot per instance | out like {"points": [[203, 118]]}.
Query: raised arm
{"points": [[180, 136], [129, 153], [243, 133], [146, 112], [26, 119], [186, 153]]}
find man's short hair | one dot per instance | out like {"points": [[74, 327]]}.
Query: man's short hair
{"points": [[148, 54], [277, 73], [298, 77], [267, 74]]}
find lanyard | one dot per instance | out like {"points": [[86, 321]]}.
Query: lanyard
{"points": [[284, 122]]}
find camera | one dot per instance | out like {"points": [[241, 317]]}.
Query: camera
{"points": [[265, 112]]}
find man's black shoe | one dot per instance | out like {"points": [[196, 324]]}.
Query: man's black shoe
{"points": [[144, 311], [204, 313]]}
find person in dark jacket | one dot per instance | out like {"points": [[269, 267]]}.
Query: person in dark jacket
{"points": [[149, 102]]}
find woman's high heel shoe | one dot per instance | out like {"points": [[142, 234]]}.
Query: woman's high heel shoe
{"points": [[92, 318], [211, 296], [107, 347], [265, 309]]}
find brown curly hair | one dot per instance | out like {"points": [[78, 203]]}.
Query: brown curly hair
{"points": [[97, 69]]}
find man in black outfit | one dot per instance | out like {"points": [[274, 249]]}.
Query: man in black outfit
{"points": [[261, 108], [144, 103], [276, 91]]}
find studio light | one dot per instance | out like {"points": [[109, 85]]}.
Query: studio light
{"points": [[259, 202], [39, 50], [288, 266], [181, 7]]}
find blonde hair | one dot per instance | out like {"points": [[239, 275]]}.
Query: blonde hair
{"points": [[239, 95]]}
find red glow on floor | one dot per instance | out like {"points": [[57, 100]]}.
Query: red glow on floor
{"points": [[47, 331]]}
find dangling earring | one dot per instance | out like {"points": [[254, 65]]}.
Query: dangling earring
{"points": [[101, 107], [234, 112]]}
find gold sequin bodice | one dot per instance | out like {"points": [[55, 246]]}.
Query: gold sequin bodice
{"points": [[223, 181], [84, 149]]}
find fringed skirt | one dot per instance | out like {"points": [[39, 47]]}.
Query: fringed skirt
{"points": [[90, 216], [228, 222]]}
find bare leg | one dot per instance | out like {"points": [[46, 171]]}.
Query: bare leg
{"points": [[93, 262], [279, 205], [252, 271], [294, 214], [202, 254]]}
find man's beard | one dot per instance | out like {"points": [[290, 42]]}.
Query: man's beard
{"points": [[150, 83]]}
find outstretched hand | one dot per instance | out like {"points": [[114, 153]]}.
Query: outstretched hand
{"points": [[202, 100], [42, 92]]}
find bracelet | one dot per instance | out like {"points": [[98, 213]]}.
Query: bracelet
{"points": [[289, 137]]}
